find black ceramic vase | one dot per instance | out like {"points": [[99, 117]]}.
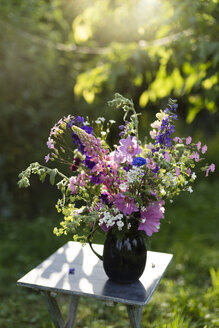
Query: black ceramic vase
{"points": [[124, 260]]}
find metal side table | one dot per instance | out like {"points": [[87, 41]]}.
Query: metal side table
{"points": [[88, 279]]}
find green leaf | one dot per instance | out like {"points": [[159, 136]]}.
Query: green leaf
{"points": [[42, 177], [52, 176]]}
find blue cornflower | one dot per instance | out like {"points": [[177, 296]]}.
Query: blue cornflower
{"points": [[139, 161]]}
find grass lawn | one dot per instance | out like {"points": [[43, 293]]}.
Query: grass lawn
{"points": [[188, 295]]}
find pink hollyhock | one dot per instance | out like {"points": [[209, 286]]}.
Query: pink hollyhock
{"points": [[188, 140], [204, 149], [151, 218], [72, 185], [125, 204], [129, 148], [195, 156], [211, 168]]}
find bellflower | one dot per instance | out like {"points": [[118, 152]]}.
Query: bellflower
{"points": [[121, 188]]}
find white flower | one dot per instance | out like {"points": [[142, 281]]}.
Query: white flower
{"points": [[162, 209], [112, 121], [133, 174], [120, 224], [153, 134], [163, 192], [123, 186], [156, 124], [103, 133], [102, 119], [193, 176], [190, 189], [129, 226]]}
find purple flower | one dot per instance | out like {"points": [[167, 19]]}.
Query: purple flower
{"points": [[198, 145], [105, 228], [71, 271], [80, 119], [166, 156], [204, 149], [188, 140], [104, 198], [177, 139], [50, 143], [129, 148], [211, 168], [177, 171], [88, 163], [87, 129], [139, 161], [95, 179], [125, 204], [189, 171], [156, 169], [47, 158], [195, 156], [150, 218], [127, 167]]}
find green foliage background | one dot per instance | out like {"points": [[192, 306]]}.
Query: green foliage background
{"points": [[60, 57], [67, 56]]}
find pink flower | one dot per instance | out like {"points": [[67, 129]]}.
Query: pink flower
{"points": [[47, 158], [81, 179], [125, 204], [204, 149], [189, 171], [129, 148], [188, 140], [151, 218], [50, 143], [72, 185], [166, 156], [211, 168], [177, 139], [195, 156], [198, 145], [105, 228], [177, 171]]}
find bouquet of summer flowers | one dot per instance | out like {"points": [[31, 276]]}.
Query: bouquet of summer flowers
{"points": [[123, 188]]}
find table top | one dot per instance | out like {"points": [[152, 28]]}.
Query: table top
{"points": [[89, 278]]}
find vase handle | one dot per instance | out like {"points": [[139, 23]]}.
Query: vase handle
{"points": [[91, 246]]}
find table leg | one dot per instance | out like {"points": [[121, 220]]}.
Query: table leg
{"points": [[70, 323], [134, 313], [53, 309]]}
